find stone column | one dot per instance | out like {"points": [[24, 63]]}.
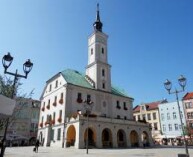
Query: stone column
{"points": [[114, 136], [98, 136]]}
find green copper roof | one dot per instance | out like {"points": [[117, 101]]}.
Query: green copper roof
{"points": [[76, 78], [117, 91]]}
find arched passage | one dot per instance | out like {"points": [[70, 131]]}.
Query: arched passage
{"points": [[91, 137], [145, 139], [134, 139], [71, 136], [107, 138], [121, 138]]}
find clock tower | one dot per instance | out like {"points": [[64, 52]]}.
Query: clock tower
{"points": [[98, 70]]}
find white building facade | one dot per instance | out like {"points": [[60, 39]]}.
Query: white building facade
{"points": [[62, 120], [170, 119]]}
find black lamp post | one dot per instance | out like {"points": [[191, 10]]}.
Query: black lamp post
{"points": [[168, 87], [27, 67], [88, 104]]}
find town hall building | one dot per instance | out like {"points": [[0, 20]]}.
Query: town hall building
{"points": [[79, 107]]}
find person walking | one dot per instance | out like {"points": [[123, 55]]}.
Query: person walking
{"points": [[37, 145]]}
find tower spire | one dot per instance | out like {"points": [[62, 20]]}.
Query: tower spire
{"points": [[98, 24]]}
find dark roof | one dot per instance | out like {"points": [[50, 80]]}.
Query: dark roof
{"points": [[76, 78], [188, 96], [149, 106]]}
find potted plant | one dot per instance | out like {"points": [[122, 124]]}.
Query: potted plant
{"points": [[59, 119], [61, 101], [41, 125], [48, 106], [54, 104]]}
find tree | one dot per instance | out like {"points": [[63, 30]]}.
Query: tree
{"points": [[7, 89]]}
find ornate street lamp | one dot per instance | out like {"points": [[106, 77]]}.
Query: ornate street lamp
{"points": [[27, 67], [88, 104], [168, 87]]}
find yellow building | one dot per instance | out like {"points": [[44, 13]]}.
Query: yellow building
{"points": [[149, 113]]}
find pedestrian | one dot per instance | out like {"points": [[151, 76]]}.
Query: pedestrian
{"points": [[37, 145]]}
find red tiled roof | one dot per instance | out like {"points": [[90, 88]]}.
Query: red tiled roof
{"points": [[149, 106], [188, 96]]}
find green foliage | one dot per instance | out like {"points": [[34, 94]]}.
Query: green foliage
{"points": [[6, 86], [6, 89]]}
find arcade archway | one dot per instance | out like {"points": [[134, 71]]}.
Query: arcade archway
{"points": [[106, 138], [121, 138], [91, 137], [134, 138], [71, 136]]}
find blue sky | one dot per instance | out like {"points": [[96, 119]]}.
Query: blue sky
{"points": [[149, 41]]}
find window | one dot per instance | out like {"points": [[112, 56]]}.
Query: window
{"points": [[118, 117], [61, 96], [88, 98], [149, 116], [102, 50], [103, 85], [54, 116], [170, 127], [190, 115], [143, 115], [181, 114], [154, 116], [174, 115], [162, 116], [164, 127], [118, 106], [79, 98], [138, 117], [176, 126], [103, 72], [168, 116], [125, 117], [55, 99], [50, 87], [91, 51], [59, 134], [60, 114], [155, 126], [124, 106], [56, 84], [191, 125], [134, 117], [143, 107], [188, 105]]}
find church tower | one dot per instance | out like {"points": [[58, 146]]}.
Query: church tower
{"points": [[98, 70]]}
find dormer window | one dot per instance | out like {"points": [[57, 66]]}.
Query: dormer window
{"points": [[143, 107]]}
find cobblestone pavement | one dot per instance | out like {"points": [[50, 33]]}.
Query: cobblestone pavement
{"points": [[71, 152]]}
